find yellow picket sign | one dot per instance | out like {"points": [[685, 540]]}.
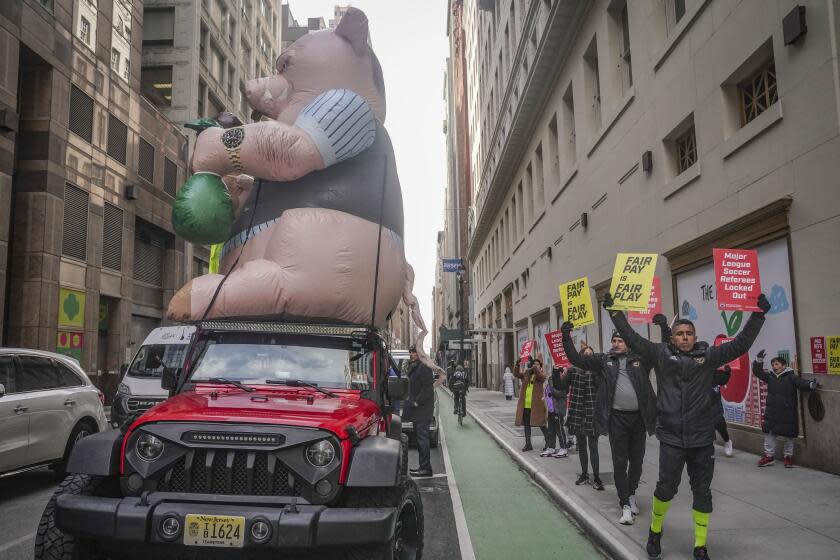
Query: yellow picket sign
{"points": [[632, 280], [833, 344], [577, 303]]}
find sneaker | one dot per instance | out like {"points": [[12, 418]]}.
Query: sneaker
{"points": [[597, 484], [582, 479], [727, 448], [700, 553], [561, 453], [788, 462], [654, 545], [626, 516], [765, 461], [547, 452], [633, 507], [527, 447]]}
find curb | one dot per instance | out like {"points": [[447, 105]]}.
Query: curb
{"points": [[617, 549]]}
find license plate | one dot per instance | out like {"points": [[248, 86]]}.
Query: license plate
{"points": [[214, 530]]}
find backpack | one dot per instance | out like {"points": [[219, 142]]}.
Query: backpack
{"points": [[459, 381]]}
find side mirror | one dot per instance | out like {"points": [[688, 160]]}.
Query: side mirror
{"points": [[2, 390], [123, 369], [398, 388], [169, 379]]}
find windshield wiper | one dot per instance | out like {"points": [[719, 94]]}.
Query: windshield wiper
{"points": [[224, 381], [299, 383]]}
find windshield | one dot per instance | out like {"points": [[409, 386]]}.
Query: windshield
{"points": [[333, 364], [147, 364]]}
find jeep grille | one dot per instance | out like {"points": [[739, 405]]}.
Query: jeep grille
{"points": [[250, 473]]}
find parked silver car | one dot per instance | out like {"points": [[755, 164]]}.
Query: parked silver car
{"points": [[47, 404]]}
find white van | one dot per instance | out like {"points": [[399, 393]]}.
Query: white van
{"points": [[140, 389]]}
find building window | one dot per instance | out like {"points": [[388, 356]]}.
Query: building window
{"points": [[159, 26], [117, 139], [677, 11], [170, 177], [686, 150], [146, 161], [81, 114], [74, 236], [112, 235], [539, 179], [47, 4], [758, 92], [149, 252], [569, 124], [593, 82], [121, 38], [115, 60], [156, 84], [84, 30], [627, 69]]}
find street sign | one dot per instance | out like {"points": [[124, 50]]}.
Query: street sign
{"points": [[448, 334], [452, 265], [456, 344]]}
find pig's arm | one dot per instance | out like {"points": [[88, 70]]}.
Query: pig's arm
{"points": [[336, 126]]}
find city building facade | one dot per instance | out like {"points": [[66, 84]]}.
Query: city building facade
{"points": [[88, 172], [669, 127]]}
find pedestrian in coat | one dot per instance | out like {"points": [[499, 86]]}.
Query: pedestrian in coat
{"points": [[508, 383], [420, 409], [555, 404], [781, 416], [585, 391], [686, 371], [530, 410]]}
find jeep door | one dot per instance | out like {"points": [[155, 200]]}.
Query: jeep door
{"points": [[50, 408], [14, 418]]}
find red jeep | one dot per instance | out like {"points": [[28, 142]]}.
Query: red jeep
{"points": [[279, 441]]}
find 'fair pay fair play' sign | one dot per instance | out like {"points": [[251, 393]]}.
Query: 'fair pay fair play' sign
{"points": [[736, 279], [632, 279]]}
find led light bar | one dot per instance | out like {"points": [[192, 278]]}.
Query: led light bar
{"points": [[228, 438], [285, 328]]}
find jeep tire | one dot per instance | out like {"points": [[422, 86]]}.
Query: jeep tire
{"points": [[407, 541], [53, 544]]}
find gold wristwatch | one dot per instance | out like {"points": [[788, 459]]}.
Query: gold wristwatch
{"points": [[232, 139]]}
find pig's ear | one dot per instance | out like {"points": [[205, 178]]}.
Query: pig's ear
{"points": [[353, 27]]}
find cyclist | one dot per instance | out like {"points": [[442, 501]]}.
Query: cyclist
{"points": [[459, 385]]}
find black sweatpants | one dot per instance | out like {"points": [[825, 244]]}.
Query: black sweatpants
{"points": [[627, 444], [592, 442], [700, 463], [720, 426], [462, 398], [556, 433], [421, 430]]}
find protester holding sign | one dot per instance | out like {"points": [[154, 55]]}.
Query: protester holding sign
{"points": [[781, 416], [629, 412], [685, 375], [530, 410]]}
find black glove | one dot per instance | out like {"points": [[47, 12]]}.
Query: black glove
{"points": [[727, 369], [608, 300], [760, 355], [763, 304], [660, 320], [567, 327]]}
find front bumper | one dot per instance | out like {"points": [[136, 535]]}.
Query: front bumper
{"points": [[137, 522], [125, 406]]}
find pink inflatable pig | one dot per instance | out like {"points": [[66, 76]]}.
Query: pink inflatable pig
{"points": [[327, 201]]}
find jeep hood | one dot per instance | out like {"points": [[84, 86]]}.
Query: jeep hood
{"points": [[300, 408]]}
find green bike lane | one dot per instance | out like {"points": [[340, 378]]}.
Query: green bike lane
{"points": [[507, 515]]}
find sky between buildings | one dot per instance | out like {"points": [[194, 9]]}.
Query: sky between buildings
{"points": [[410, 40]]}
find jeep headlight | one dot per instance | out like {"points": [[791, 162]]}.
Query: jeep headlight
{"points": [[320, 454], [124, 389], [149, 447]]}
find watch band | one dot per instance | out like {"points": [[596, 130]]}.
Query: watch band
{"points": [[232, 139]]}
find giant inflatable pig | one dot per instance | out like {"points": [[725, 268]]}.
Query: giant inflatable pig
{"points": [[304, 240]]}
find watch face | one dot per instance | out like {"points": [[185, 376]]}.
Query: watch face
{"points": [[233, 137]]}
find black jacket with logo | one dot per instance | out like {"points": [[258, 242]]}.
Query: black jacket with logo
{"points": [[421, 400], [781, 415], [686, 414], [608, 365]]}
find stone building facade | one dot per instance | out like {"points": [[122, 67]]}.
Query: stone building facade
{"points": [[661, 126], [88, 172]]}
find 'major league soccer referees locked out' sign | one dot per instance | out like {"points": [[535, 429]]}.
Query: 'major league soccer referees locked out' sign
{"points": [[737, 280]]}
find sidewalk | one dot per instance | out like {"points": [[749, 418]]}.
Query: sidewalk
{"points": [[771, 512]]}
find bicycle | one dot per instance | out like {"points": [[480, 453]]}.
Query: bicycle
{"points": [[460, 408]]}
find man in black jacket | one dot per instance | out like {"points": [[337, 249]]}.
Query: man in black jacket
{"points": [[685, 374], [629, 412], [421, 408]]}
